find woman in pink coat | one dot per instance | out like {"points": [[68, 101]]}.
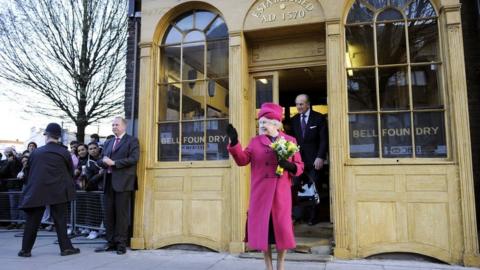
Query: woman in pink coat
{"points": [[269, 215]]}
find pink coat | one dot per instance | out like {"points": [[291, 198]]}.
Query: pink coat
{"points": [[269, 193]]}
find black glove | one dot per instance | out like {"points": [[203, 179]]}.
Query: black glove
{"points": [[287, 165], [232, 135]]}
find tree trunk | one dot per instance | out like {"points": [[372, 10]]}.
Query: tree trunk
{"points": [[81, 132]]}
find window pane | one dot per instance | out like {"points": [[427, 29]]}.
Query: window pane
{"points": [[169, 102], [171, 64], [217, 140], [193, 100], [217, 99], [430, 140], [423, 41], [217, 30], [194, 36], [360, 48], [363, 135], [391, 43], [193, 140], [396, 135], [173, 36], [359, 13], [425, 91], [420, 9], [168, 142], [186, 23], [393, 86], [389, 14], [399, 3], [193, 61], [378, 3], [361, 90], [203, 19], [264, 89], [217, 59]]}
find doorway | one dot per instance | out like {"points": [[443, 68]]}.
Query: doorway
{"points": [[313, 226]]}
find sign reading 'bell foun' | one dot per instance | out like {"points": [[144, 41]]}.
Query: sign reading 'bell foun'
{"points": [[270, 13]]}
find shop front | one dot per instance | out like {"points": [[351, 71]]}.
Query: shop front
{"points": [[388, 73]]}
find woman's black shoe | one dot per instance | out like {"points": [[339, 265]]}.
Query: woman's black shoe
{"points": [[70, 251], [23, 253]]}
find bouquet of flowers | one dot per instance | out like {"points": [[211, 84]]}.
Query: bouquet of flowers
{"points": [[284, 150]]}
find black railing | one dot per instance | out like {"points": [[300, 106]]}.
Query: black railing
{"points": [[85, 212]]}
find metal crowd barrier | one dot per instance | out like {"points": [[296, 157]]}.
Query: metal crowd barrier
{"points": [[85, 212]]}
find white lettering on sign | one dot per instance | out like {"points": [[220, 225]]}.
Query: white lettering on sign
{"points": [[392, 132], [264, 10], [194, 140]]}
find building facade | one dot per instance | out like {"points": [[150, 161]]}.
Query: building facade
{"points": [[389, 73]]}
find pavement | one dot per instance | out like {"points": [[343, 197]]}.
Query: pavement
{"points": [[45, 255]]}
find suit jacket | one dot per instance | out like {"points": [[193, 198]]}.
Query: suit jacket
{"points": [[125, 155], [315, 143], [50, 177]]}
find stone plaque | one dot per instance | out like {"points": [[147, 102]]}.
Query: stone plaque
{"points": [[274, 13]]}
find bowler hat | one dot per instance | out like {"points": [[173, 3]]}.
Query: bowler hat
{"points": [[54, 130], [271, 111]]}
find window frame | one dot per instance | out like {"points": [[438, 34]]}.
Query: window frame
{"points": [[162, 82], [441, 85]]}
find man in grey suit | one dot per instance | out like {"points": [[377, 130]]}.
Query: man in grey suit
{"points": [[120, 162]]}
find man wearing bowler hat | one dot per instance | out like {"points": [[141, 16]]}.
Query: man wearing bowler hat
{"points": [[50, 182]]}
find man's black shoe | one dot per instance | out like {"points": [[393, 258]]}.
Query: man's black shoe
{"points": [[23, 253], [121, 250], [70, 251], [106, 248]]}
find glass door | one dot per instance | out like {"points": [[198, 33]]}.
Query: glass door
{"points": [[264, 89]]}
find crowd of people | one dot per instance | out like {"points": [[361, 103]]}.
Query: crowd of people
{"points": [[87, 176], [51, 175]]}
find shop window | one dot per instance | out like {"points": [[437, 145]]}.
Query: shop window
{"points": [[395, 99], [193, 89]]}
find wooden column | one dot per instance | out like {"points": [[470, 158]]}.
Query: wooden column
{"points": [[337, 116], [145, 122], [457, 93], [239, 178]]}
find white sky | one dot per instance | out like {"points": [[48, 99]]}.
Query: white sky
{"points": [[16, 124]]}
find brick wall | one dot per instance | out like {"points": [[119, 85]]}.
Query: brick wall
{"points": [[131, 81]]}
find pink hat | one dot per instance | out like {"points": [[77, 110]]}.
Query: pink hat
{"points": [[271, 111]]}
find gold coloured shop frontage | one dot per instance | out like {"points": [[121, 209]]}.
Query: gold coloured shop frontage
{"points": [[390, 75]]}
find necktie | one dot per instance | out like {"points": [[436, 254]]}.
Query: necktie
{"points": [[303, 124], [115, 144]]}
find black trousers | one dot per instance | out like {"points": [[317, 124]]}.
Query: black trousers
{"points": [[117, 209], [34, 217]]}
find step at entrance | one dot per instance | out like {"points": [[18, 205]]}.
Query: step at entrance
{"points": [[314, 243]]}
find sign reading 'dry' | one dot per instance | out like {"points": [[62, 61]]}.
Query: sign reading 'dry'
{"points": [[268, 13]]}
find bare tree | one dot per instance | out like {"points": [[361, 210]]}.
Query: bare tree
{"points": [[72, 52]]}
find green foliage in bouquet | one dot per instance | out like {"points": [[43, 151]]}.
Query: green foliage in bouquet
{"points": [[284, 150]]}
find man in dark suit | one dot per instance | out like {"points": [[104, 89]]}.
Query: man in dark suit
{"points": [[50, 182], [310, 130], [120, 162]]}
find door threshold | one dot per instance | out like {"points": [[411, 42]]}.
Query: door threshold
{"points": [[296, 257]]}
